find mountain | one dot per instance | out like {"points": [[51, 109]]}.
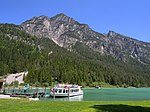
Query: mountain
{"points": [[60, 49], [66, 32]]}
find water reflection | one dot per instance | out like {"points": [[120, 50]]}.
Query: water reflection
{"points": [[74, 98]]}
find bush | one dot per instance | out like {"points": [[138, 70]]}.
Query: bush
{"points": [[6, 85], [45, 84], [16, 83], [37, 84], [83, 84], [22, 84]]}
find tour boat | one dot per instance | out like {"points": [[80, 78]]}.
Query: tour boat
{"points": [[98, 87], [66, 90]]}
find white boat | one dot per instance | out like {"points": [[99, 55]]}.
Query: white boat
{"points": [[65, 90], [98, 87]]}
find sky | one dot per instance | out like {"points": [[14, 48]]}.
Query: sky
{"points": [[127, 17]]}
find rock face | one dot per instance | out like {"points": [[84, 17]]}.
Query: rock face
{"points": [[65, 32]]}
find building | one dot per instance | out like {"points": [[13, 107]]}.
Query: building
{"points": [[15, 77], [8, 79], [1, 82]]}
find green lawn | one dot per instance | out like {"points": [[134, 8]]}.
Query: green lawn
{"points": [[24, 105]]}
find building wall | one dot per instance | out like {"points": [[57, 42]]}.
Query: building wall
{"points": [[15, 77]]}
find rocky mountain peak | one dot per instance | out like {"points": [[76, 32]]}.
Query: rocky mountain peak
{"points": [[62, 18], [36, 20], [111, 34], [66, 32]]}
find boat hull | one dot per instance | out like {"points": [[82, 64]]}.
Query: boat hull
{"points": [[65, 94]]}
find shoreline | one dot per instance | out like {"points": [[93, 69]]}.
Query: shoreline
{"points": [[2, 96]]}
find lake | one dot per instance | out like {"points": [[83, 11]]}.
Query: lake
{"points": [[109, 94]]}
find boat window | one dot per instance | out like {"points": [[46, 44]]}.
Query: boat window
{"points": [[56, 90], [60, 90], [76, 90], [64, 91]]}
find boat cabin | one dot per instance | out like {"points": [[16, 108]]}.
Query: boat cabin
{"points": [[66, 90], [62, 90]]}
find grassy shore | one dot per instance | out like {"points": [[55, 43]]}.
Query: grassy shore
{"points": [[24, 105]]}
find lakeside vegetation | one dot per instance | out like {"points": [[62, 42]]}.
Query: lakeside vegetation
{"points": [[15, 84], [24, 105]]}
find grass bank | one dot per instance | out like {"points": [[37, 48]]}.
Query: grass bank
{"points": [[24, 105]]}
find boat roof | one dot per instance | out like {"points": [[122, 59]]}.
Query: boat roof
{"points": [[66, 86]]}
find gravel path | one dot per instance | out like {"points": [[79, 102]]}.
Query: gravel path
{"points": [[7, 97]]}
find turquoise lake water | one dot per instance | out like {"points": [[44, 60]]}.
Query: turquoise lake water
{"points": [[114, 94]]}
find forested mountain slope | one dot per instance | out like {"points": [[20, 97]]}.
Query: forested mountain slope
{"points": [[47, 62]]}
